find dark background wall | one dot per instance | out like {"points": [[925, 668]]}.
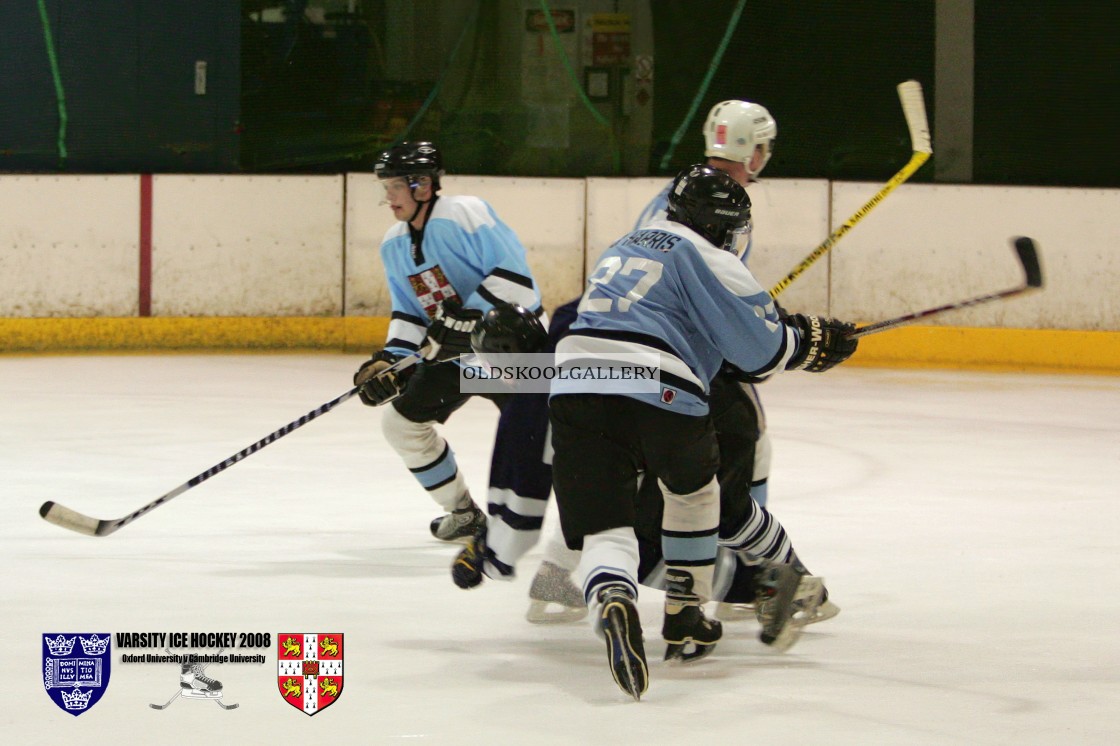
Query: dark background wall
{"points": [[127, 74], [298, 96]]}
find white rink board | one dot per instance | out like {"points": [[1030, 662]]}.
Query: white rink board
{"points": [[790, 220], [613, 206], [546, 214], [278, 246], [246, 245], [929, 245], [69, 245]]}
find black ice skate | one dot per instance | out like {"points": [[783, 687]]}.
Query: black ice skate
{"points": [[623, 630], [690, 635], [460, 524], [777, 603]]}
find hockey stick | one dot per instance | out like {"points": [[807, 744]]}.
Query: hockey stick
{"points": [[60, 515], [914, 109], [1028, 256]]}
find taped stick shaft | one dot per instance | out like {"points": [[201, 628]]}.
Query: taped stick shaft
{"points": [[914, 110]]}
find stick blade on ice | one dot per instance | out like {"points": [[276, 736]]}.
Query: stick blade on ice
{"points": [[60, 515]]}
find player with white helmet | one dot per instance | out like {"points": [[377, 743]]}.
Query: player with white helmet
{"points": [[738, 140], [741, 132]]}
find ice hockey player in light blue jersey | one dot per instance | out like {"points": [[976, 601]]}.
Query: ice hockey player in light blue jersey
{"points": [[466, 249], [447, 262], [671, 288], [729, 315]]}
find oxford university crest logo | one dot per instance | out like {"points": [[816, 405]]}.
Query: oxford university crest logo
{"points": [[76, 669], [309, 669]]}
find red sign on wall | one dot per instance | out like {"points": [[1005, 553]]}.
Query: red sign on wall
{"points": [[610, 39], [563, 20]]}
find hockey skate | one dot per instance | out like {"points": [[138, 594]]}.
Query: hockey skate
{"points": [[460, 524], [623, 631], [553, 597], [466, 570], [194, 684], [811, 604], [726, 612], [804, 613], [690, 635], [778, 590]]}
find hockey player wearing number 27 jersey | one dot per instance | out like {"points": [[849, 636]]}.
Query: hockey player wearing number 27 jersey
{"points": [[674, 289], [632, 306]]}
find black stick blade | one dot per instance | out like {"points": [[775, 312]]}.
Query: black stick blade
{"points": [[1028, 255]]}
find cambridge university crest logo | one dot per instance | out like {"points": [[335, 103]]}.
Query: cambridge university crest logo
{"points": [[76, 669], [309, 669]]}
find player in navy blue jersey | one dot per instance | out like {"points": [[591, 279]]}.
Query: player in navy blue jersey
{"points": [[447, 262]]}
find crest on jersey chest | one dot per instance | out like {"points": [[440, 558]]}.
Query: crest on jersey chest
{"points": [[309, 669], [76, 668], [431, 287]]}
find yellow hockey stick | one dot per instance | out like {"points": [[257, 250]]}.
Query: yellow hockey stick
{"points": [[914, 108]]}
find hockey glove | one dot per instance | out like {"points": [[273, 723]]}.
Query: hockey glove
{"points": [[824, 343], [449, 336], [466, 571], [376, 383]]}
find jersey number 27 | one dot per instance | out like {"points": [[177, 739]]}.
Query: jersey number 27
{"points": [[597, 301]]}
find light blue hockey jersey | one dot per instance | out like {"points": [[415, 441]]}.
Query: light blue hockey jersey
{"points": [[468, 253], [665, 289]]}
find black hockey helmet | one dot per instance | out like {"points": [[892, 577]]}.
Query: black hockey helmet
{"points": [[410, 159], [711, 203], [509, 329]]}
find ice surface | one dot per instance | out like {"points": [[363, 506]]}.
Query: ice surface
{"points": [[968, 525]]}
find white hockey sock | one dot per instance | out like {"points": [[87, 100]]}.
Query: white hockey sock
{"points": [[428, 456], [689, 531]]}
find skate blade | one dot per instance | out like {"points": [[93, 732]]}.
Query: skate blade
{"points": [[683, 654], [554, 612], [822, 613], [202, 694], [628, 666], [735, 612]]}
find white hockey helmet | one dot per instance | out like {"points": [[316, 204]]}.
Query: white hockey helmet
{"points": [[735, 129]]}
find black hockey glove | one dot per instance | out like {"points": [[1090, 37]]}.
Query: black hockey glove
{"points": [[378, 385], [449, 336], [824, 343]]}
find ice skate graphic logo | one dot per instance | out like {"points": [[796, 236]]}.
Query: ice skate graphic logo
{"points": [[195, 684], [76, 669], [309, 669]]}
